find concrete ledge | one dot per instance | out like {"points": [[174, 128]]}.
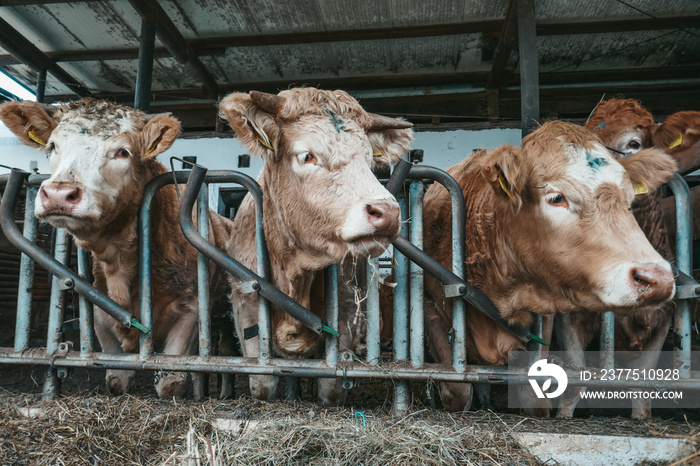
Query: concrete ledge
{"points": [[589, 450]]}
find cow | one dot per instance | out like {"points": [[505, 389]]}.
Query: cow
{"points": [[548, 229], [625, 127], [322, 205], [102, 155], [679, 136]]}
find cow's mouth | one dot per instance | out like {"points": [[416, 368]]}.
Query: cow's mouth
{"points": [[370, 245]]}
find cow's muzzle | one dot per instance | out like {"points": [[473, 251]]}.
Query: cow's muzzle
{"points": [[59, 199], [384, 218], [652, 282]]}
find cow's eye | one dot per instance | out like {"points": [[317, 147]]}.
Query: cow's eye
{"points": [[556, 199], [306, 158], [634, 145], [122, 154], [51, 147]]}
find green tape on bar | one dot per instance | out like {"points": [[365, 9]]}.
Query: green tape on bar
{"points": [[537, 339], [136, 324], [327, 329]]}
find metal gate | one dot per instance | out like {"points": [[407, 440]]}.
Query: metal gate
{"points": [[409, 261]]}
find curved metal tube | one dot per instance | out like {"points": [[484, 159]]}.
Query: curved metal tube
{"points": [[232, 266], [82, 286]]}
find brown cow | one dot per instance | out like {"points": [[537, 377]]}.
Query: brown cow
{"points": [[620, 122], [321, 204], [545, 227], [102, 155], [679, 136]]}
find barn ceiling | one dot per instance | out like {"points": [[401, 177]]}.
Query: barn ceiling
{"points": [[442, 64]]}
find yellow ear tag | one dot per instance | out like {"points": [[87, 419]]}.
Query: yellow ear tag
{"points": [[377, 153], [35, 137], [676, 142], [502, 182], [640, 188], [264, 143]]}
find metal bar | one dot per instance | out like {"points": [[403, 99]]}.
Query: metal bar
{"points": [[330, 293], [9, 199], [232, 266], [401, 311], [684, 262], [57, 308], [529, 70], [26, 276], [315, 368], [607, 340], [87, 320], [416, 276], [373, 311], [144, 73], [203, 276]]}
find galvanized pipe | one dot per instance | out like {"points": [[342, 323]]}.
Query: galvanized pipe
{"points": [[9, 200], [87, 320], [607, 340], [57, 307], [203, 276], [232, 266], [373, 311], [314, 368], [26, 276], [684, 258], [330, 294], [401, 290], [416, 275]]}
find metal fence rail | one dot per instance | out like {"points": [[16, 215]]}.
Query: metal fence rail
{"points": [[410, 265]]}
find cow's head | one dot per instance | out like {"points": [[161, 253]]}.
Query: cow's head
{"points": [[679, 136], [97, 152], [319, 148], [623, 125], [569, 224]]}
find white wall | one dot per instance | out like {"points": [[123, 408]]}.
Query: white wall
{"points": [[442, 149]]}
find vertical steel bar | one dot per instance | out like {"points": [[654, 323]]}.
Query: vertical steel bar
{"points": [[87, 321], [459, 323], [373, 311], [144, 73], [529, 72], [56, 313], [401, 312], [607, 340], [416, 275], [684, 262], [534, 348], [330, 293], [263, 270], [145, 279], [26, 276], [199, 380], [203, 276]]}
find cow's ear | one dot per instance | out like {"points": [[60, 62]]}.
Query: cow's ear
{"points": [[502, 169], [255, 128], [648, 169], [29, 121], [158, 134], [389, 145]]}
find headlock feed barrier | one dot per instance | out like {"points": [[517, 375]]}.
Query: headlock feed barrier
{"points": [[409, 264]]}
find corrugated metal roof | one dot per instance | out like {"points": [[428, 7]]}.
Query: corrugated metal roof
{"points": [[385, 44]]}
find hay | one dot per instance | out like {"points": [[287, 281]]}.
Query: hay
{"points": [[93, 429]]}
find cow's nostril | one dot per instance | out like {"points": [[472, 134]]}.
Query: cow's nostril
{"points": [[652, 282], [374, 211]]}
